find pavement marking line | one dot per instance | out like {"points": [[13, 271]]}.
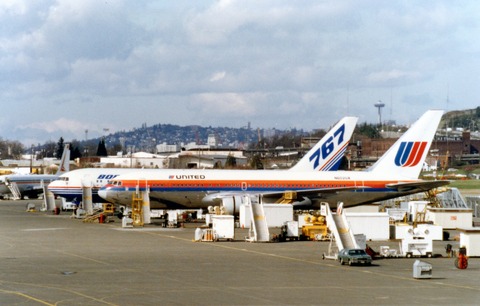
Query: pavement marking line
{"points": [[28, 297], [308, 261], [84, 257], [50, 287], [44, 229]]}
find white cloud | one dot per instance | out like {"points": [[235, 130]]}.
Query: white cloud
{"points": [[59, 125], [224, 104], [12, 8], [382, 77], [274, 63], [217, 76]]}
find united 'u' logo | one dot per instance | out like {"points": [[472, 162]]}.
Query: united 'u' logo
{"points": [[410, 153]]}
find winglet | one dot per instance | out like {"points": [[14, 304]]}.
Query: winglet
{"points": [[327, 154], [408, 153]]}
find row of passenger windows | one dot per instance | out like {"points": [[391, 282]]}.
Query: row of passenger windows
{"points": [[248, 185]]}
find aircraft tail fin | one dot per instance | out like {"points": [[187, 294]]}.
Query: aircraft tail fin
{"points": [[64, 161], [407, 155], [327, 154]]}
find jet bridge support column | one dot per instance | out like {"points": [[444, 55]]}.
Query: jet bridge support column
{"points": [[87, 199], [146, 207]]}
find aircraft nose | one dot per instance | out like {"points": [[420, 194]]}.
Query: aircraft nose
{"points": [[103, 193]]}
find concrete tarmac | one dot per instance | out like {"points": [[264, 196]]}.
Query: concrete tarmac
{"points": [[48, 259]]}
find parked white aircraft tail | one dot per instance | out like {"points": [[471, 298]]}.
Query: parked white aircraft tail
{"points": [[406, 156], [31, 185], [327, 154], [64, 165]]}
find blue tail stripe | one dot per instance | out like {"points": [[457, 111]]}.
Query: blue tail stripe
{"points": [[335, 162]]}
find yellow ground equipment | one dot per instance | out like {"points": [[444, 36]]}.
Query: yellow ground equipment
{"points": [[315, 228]]}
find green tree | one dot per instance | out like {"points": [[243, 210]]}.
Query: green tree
{"points": [[75, 153], [368, 130], [11, 149], [256, 162], [102, 149], [231, 161], [60, 147], [49, 149]]}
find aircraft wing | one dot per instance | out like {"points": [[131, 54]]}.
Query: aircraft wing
{"points": [[420, 185], [302, 196], [312, 193], [350, 196]]}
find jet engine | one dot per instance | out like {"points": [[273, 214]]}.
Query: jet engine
{"points": [[231, 205]]}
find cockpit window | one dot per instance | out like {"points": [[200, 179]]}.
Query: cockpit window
{"points": [[115, 183], [65, 178]]}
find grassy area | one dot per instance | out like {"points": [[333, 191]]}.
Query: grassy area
{"points": [[465, 184]]}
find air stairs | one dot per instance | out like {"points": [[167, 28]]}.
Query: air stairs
{"points": [[259, 228], [452, 198], [94, 216], [442, 197], [473, 202], [341, 233], [16, 195]]}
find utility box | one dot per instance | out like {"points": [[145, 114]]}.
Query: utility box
{"points": [[422, 269], [291, 229], [223, 227]]}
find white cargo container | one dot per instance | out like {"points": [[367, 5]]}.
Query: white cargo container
{"points": [[375, 226], [450, 218], [276, 214], [223, 227], [368, 208], [470, 239], [291, 229]]}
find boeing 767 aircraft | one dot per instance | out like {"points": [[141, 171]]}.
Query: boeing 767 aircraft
{"points": [[326, 155], [395, 174]]}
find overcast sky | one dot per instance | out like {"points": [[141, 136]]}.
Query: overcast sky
{"points": [[67, 66]]}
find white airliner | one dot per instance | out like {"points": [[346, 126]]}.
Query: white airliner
{"points": [[394, 174], [70, 185], [326, 155], [31, 185]]}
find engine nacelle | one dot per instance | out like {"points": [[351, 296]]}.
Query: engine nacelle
{"points": [[231, 205], [306, 202]]}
